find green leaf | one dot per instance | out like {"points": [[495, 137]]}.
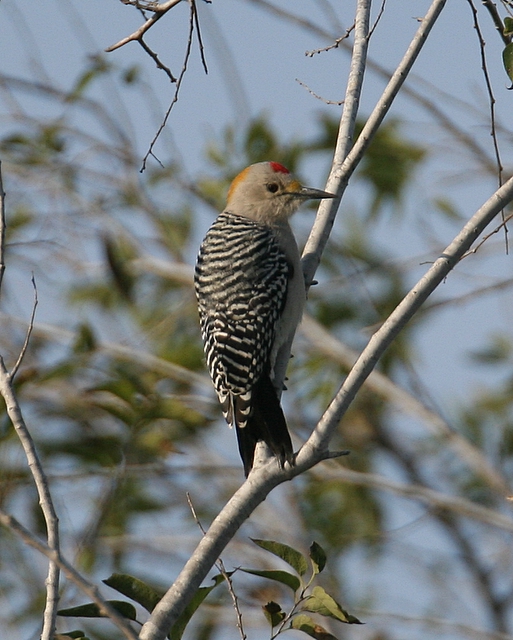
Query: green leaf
{"points": [[321, 602], [292, 557], [78, 634], [273, 612], [318, 557], [507, 57], [304, 623], [92, 610], [85, 340], [200, 595], [135, 589], [288, 579], [508, 27]]}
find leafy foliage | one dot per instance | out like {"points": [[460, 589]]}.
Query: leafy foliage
{"points": [[116, 390], [145, 595], [307, 597]]}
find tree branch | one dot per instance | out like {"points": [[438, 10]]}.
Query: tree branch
{"points": [[158, 11], [2, 229], [319, 440], [265, 478], [30, 327], [497, 21], [344, 166], [344, 141], [35, 466], [45, 498], [70, 572], [430, 497]]}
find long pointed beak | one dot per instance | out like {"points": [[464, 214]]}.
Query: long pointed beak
{"points": [[314, 194]]}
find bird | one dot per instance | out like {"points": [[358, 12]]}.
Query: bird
{"points": [[251, 293]]}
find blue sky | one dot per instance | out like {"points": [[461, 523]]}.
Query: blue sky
{"points": [[254, 61]]}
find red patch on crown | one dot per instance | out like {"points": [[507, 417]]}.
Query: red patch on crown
{"points": [[279, 168]]}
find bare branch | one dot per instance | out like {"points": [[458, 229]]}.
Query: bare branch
{"points": [[502, 225], [30, 327], [35, 466], [158, 61], [45, 498], [345, 161], [401, 315], [430, 497], [491, 99], [2, 229], [489, 88], [192, 23], [70, 572], [312, 93], [499, 25], [263, 479], [159, 10], [334, 45], [222, 571], [344, 141]]}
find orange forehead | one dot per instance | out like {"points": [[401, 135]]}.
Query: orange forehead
{"points": [[237, 180]]}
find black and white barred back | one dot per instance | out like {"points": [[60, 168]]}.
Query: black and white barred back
{"points": [[241, 282]]}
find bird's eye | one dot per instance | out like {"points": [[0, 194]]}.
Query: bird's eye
{"points": [[272, 187]]}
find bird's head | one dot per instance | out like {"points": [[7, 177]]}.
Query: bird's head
{"points": [[267, 192]]}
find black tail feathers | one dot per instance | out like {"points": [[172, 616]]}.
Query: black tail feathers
{"points": [[266, 423]]}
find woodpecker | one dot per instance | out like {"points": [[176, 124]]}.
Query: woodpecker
{"points": [[251, 293]]}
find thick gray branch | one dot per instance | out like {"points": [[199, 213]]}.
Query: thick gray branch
{"points": [[264, 479], [343, 168], [344, 141], [319, 440], [71, 573]]}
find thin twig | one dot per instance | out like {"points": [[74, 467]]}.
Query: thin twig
{"points": [[157, 60], [222, 571], [334, 45], [192, 22], [200, 39], [505, 220], [339, 103], [3, 228], [491, 97], [70, 572], [35, 466], [30, 327], [378, 18], [499, 24], [343, 169], [159, 10], [489, 88]]}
